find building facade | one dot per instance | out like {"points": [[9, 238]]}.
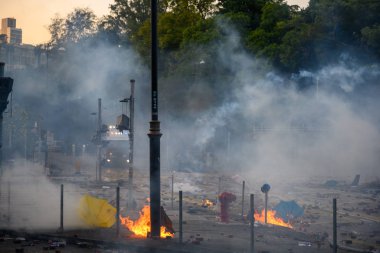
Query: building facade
{"points": [[16, 55], [13, 34], [7, 22]]}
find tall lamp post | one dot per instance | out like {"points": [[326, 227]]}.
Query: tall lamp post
{"points": [[121, 126], [131, 141], [154, 135], [99, 143]]}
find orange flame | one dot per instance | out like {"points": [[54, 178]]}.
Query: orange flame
{"points": [[207, 203], [141, 226], [271, 218]]}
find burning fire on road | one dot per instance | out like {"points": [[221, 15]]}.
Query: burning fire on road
{"points": [[271, 219], [141, 226], [207, 203]]}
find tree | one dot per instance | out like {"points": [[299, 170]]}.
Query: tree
{"points": [[250, 8], [78, 25], [173, 25], [128, 16], [266, 40], [371, 37], [205, 8], [109, 32], [296, 50], [203, 32], [272, 13], [338, 26], [57, 31]]}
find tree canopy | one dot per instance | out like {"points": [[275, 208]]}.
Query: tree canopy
{"points": [[78, 25], [289, 37]]}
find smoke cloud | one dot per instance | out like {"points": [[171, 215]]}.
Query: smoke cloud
{"points": [[276, 128], [234, 113], [31, 202]]}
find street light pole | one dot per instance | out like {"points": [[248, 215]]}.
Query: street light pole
{"points": [[131, 142], [154, 135], [99, 143]]}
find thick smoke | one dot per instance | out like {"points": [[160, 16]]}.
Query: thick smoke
{"points": [[30, 201], [62, 95], [278, 128], [244, 117]]}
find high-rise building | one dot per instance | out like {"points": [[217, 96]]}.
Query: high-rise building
{"points": [[14, 35], [16, 55], [8, 27], [7, 22], [3, 38]]}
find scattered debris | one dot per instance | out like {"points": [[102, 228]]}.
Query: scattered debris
{"points": [[304, 244]]}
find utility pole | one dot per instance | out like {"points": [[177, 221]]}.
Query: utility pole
{"points": [[99, 143], [154, 135], [252, 221], [131, 141], [242, 200], [46, 150], [124, 124], [335, 243], [61, 211], [117, 211]]}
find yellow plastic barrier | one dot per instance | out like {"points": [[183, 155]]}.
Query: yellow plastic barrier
{"points": [[97, 212]]}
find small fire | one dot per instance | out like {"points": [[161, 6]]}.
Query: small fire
{"points": [[207, 203], [141, 226], [271, 218]]}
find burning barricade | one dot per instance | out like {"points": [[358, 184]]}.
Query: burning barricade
{"points": [[271, 218], [141, 226], [283, 213], [207, 203]]}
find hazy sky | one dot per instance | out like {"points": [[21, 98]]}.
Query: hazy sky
{"points": [[33, 16]]}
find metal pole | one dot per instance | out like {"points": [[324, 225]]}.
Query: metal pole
{"points": [[219, 185], [25, 144], [99, 139], [266, 206], [46, 153], [252, 221], [172, 191], [117, 211], [61, 213], [242, 200], [154, 135], [131, 142], [228, 146], [180, 218], [317, 93], [132, 120], [167, 151], [335, 245], [219, 189], [9, 202], [73, 151]]}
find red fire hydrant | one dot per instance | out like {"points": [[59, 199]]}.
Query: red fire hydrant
{"points": [[225, 199]]}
